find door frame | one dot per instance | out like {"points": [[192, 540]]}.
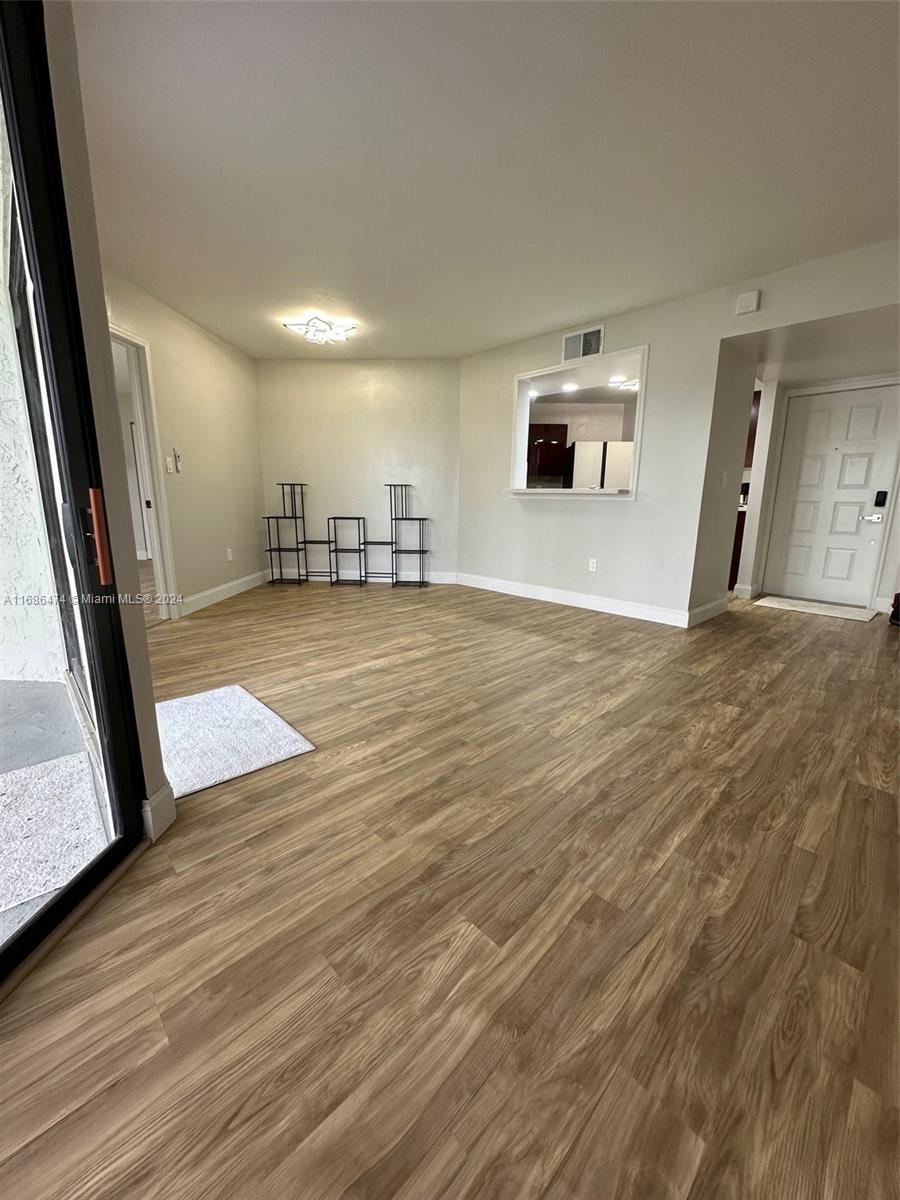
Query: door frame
{"points": [[31, 122], [816, 389], [160, 527]]}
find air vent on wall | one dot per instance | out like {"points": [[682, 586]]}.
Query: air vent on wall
{"points": [[580, 343]]}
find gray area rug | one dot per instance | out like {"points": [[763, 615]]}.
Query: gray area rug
{"points": [[218, 735], [50, 827]]}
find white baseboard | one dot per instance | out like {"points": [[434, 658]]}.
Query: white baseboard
{"points": [[620, 608], [706, 612], [883, 604], [747, 591], [405, 576], [159, 812], [224, 591]]}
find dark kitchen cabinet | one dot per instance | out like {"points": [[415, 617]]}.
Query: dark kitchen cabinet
{"points": [[751, 433], [546, 454]]}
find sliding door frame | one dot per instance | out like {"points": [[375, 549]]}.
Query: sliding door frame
{"points": [[28, 106]]}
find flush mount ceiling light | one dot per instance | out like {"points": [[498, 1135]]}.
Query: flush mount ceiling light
{"points": [[570, 387], [322, 331]]}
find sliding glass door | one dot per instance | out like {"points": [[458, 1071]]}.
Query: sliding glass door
{"points": [[70, 776]]}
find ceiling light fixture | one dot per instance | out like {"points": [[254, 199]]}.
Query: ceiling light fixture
{"points": [[570, 387], [322, 331]]}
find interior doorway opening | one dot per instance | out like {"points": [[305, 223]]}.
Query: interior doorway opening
{"points": [[821, 512], [146, 489]]}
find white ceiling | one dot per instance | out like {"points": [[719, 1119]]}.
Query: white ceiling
{"points": [[845, 347], [459, 175]]}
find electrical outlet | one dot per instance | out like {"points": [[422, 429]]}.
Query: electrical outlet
{"points": [[724, 479], [228, 553], [592, 564]]}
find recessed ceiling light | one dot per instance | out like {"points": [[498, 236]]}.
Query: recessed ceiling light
{"points": [[570, 387], [614, 379], [322, 331]]}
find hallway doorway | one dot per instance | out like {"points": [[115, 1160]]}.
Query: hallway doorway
{"points": [[146, 491]]}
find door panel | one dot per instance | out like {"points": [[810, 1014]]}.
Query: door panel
{"points": [[839, 449]]}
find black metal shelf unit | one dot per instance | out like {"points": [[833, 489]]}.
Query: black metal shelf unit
{"points": [[399, 504], [359, 550], [294, 549], [293, 514], [277, 550]]}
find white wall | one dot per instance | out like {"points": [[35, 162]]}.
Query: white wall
{"points": [[889, 584], [205, 395], [347, 428], [732, 399], [763, 478], [646, 548], [586, 422]]}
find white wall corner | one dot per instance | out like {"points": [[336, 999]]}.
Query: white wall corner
{"points": [[158, 811], [224, 591], [706, 612], [746, 591]]}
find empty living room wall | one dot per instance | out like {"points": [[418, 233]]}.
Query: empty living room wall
{"points": [[347, 428]]}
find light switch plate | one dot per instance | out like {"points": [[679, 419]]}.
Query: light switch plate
{"points": [[747, 302], [170, 465]]}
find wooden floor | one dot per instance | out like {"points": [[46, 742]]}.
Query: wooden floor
{"points": [[564, 905], [147, 584]]}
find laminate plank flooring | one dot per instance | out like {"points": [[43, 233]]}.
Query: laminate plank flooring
{"points": [[147, 584], [564, 907]]}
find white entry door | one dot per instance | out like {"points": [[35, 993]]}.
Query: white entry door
{"points": [[840, 449]]}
